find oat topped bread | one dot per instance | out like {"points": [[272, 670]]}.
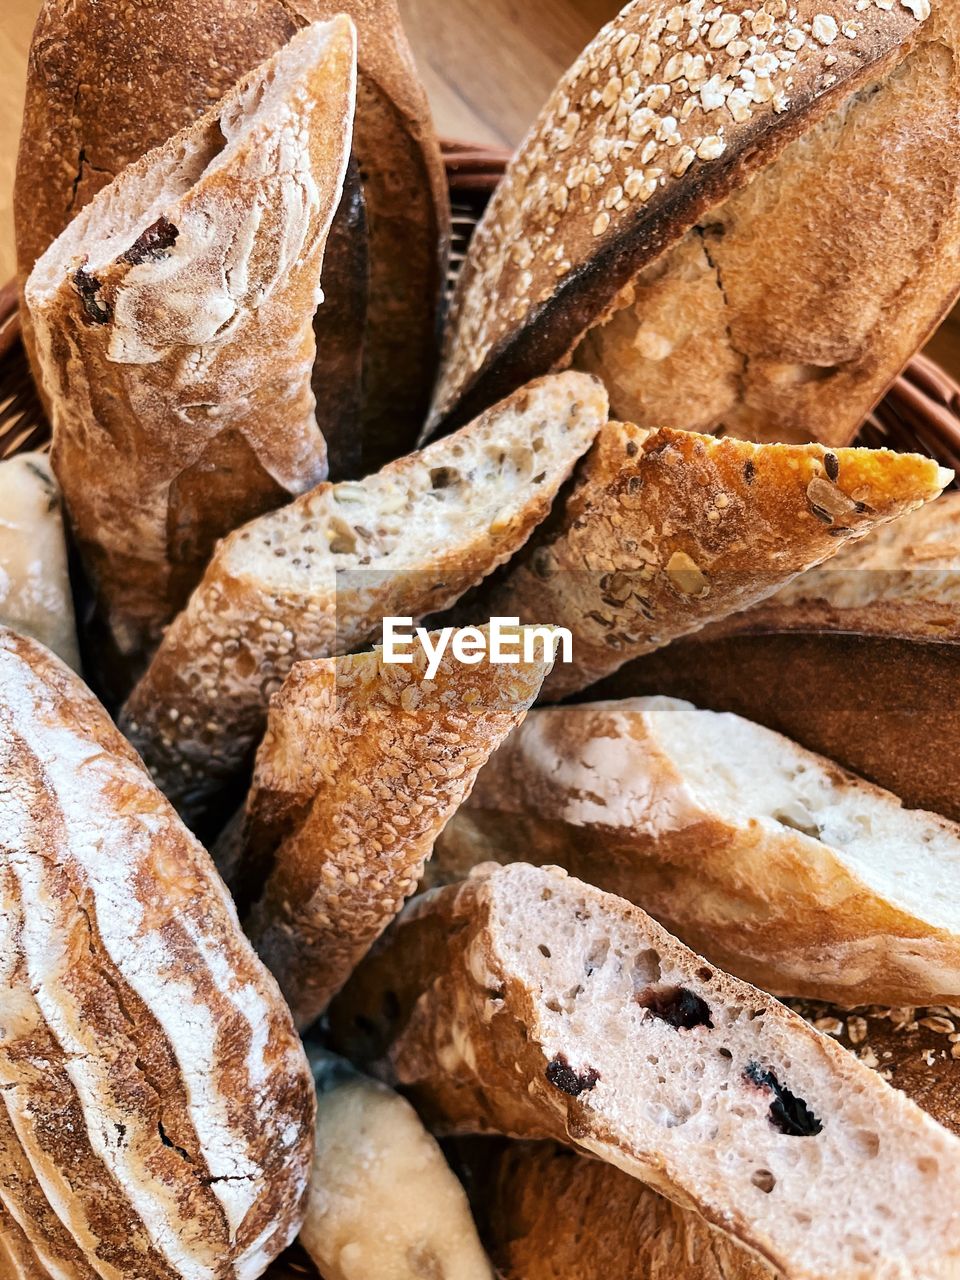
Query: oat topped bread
{"points": [[778, 310]]}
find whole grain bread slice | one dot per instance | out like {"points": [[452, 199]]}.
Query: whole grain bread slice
{"points": [[174, 327], [737, 215], [318, 577], [665, 531], [362, 764], [528, 1003], [779, 865]]}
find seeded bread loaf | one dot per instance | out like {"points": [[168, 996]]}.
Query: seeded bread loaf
{"points": [[35, 594], [362, 764], [101, 91], [318, 577], [738, 215], [158, 1108], [527, 1003], [665, 531], [780, 866], [538, 1203], [384, 1203], [173, 324]]}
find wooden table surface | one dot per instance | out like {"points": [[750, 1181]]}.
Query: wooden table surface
{"points": [[487, 64]]}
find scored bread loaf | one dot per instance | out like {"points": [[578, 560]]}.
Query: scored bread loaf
{"points": [[35, 594], [384, 1203], [773, 861], [902, 580], [173, 326], [537, 1203], [528, 1003], [738, 216], [666, 530], [158, 1117], [101, 91], [362, 764], [318, 577]]}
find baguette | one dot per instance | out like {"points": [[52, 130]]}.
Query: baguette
{"points": [[537, 1204], [362, 764], [778, 865], [173, 325], [102, 91], [735, 217], [384, 1203], [35, 594], [666, 531], [318, 577], [158, 1117], [880, 706], [902, 581], [527, 1003]]}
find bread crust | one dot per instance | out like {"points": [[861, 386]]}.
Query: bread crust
{"points": [[879, 706], [665, 531], [101, 93], [618, 167], [173, 322], [159, 1108], [448, 1008], [357, 553], [362, 764], [605, 791]]}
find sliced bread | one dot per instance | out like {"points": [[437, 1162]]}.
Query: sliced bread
{"points": [[528, 1003]]}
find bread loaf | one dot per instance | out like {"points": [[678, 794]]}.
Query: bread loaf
{"points": [[35, 594], [740, 217], [102, 91], [528, 1003], [772, 861], [363, 763], [318, 577], [383, 1203], [158, 1117], [173, 323], [546, 1213], [666, 530]]}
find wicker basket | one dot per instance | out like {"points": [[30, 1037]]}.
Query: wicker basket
{"points": [[920, 412]]}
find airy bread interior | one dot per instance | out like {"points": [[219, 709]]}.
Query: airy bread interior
{"points": [[438, 502], [747, 1109]]}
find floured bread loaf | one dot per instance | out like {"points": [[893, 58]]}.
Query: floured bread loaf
{"points": [[774, 862], [384, 1203], [318, 577], [35, 594], [158, 1117], [665, 531], [362, 764], [745, 216], [173, 322], [528, 1003]]}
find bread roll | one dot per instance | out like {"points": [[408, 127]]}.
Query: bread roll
{"points": [[173, 322], [775, 863], [158, 1117], [318, 577], [35, 594], [102, 91], [744, 217], [665, 531], [527, 1003], [383, 1202], [363, 763]]}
